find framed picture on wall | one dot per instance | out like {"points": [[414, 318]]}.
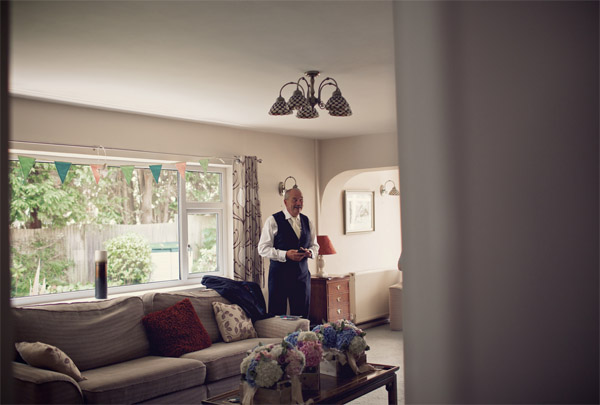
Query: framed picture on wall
{"points": [[359, 211]]}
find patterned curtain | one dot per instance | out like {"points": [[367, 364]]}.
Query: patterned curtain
{"points": [[247, 263]]}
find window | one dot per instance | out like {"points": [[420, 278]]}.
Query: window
{"points": [[56, 227]]}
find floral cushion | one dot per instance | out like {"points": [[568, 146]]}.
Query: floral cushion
{"points": [[176, 330], [233, 322], [50, 357]]}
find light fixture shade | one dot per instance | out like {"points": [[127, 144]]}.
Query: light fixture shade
{"points": [[280, 107], [337, 105], [325, 245], [307, 112], [394, 191], [297, 101]]}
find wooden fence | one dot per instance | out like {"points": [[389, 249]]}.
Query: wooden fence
{"points": [[78, 242]]}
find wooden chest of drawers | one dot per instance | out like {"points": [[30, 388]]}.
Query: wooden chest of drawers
{"points": [[329, 299]]}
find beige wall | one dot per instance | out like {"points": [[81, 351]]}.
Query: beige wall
{"points": [[339, 155], [361, 252]]}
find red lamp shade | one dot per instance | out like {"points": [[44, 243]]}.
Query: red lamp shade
{"points": [[325, 245]]}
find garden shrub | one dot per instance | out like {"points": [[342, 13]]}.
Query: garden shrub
{"points": [[129, 260]]}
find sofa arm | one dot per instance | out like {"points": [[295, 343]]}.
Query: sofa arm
{"points": [[279, 328], [34, 385]]}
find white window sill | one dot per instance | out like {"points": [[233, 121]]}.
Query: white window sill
{"points": [[89, 295]]}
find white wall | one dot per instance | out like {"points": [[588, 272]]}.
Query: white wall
{"points": [[40, 121], [361, 252], [498, 150]]}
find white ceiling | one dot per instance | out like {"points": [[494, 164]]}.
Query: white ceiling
{"points": [[209, 61]]}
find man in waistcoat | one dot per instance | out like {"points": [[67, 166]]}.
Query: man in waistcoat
{"points": [[288, 239]]}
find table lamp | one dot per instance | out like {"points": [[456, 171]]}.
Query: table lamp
{"points": [[325, 248]]}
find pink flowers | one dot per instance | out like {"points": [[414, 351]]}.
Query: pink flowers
{"points": [[313, 352], [268, 364]]}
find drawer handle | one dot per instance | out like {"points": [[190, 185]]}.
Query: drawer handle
{"points": [[339, 299], [338, 286], [339, 311]]}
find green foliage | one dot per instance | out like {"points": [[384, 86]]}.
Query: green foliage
{"points": [[206, 262], [209, 238], [128, 259], [200, 187], [207, 252], [53, 267]]}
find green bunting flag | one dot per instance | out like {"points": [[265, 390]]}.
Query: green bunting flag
{"points": [[62, 168], [204, 164], [127, 172], [26, 165], [155, 169]]}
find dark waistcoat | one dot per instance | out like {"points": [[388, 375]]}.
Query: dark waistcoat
{"points": [[286, 239]]}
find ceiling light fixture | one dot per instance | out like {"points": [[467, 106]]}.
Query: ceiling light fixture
{"points": [[304, 100]]}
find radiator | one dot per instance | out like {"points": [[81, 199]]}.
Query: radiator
{"points": [[369, 294]]}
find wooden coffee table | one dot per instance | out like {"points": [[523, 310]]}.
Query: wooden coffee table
{"points": [[337, 390]]}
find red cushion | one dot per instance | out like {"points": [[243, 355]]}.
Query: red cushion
{"points": [[176, 330]]}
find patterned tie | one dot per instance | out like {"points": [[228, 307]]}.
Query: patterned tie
{"points": [[296, 225]]}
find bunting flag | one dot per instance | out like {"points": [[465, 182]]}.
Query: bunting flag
{"points": [[181, 168], [62, 168], [26, 166], [155, 169], [204, 164], [127, 172], [96, 171]]}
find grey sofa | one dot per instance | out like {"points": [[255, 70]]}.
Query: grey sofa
{"points": [[106, 340]]}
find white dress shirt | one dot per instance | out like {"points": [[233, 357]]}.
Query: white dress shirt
{"points": [[267, 239]]}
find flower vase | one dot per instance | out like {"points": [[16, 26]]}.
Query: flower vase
{"points": [[336, 364], [280, 393], [310, 378]]}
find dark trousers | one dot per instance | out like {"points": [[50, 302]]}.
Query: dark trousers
{"points": [[289, 282]]}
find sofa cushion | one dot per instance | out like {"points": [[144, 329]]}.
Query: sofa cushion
{"points": [[49, 357], [92, 334], [175, 330], [201, 300], [141, 379], [223, 360], [233, 322]]}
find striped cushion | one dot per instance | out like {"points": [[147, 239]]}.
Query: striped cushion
{"points": [[141, 379], [223, 360], [201, 300], [277, 327], [92, 334]]}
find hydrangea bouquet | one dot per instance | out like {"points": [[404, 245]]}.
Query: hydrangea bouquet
{"points": [[309, 344], [266, 365], [346, 341]]}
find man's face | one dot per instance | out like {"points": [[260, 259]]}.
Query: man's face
{"points": [[294, 202]]}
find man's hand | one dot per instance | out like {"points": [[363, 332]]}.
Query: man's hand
{"points": [[297, 255]]}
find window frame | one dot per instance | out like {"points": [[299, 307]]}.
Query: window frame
{"points": [[224, 210]]}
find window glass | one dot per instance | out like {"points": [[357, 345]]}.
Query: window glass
{"points": [[55, 228], [203, 242], [200, 187]]}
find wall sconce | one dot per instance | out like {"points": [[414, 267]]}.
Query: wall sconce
{"points": [[393, 191], [282, 188], [325, 248]]}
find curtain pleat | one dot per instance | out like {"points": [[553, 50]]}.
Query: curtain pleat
{"points": [[247, 221]]}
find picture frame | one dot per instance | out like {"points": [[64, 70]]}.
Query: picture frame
{"points": [[359, 211]]}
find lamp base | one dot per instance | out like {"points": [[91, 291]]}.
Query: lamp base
{"points": [[321, 267]]}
